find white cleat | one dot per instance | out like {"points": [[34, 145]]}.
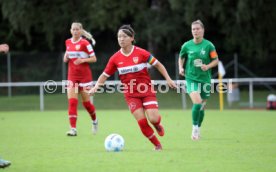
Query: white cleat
{"points": [[195, 134], [95, 127], [72, 132], [198, 133]]}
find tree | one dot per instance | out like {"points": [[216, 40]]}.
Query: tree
{"points": [[51, 19]]}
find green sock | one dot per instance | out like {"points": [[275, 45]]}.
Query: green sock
{"points": [[201, 117], [195, 113]]}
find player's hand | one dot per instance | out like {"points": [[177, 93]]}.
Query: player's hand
{"points": [[4, 48], [92, 91], [78, 61], [171, 84], [181, 71], [204, 67]]}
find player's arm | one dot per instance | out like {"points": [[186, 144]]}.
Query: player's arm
{"points": [[181, 66], [110, 69], [181, 59], [213, 63], [91, 59], [100, 82], [65, 58], [160, 67]]}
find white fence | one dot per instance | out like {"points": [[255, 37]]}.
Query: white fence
{"points": [[45, 86]]}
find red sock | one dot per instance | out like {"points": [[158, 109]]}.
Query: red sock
{"points": [[72, 111], [148, 131], [90, 109]]}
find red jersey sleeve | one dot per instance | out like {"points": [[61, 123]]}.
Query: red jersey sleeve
{"points": [[110, 68], [88, 48]]}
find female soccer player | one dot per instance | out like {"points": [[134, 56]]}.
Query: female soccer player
{"points": [[201, 56], [131, 63], [79, 53], [4, 163]]}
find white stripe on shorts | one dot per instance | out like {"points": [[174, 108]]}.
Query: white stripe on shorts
{"points": [[86, 84], [150, 103]]}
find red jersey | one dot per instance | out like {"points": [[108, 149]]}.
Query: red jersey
{"points": [[79, 49], [133, 71]]}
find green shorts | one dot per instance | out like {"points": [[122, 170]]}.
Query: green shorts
{"points": [[203, 88]]}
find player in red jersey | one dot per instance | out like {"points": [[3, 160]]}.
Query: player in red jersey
{"points": [[79, 53], [131, 63]]}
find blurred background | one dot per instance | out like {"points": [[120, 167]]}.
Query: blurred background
{"points": [[243, 32]]}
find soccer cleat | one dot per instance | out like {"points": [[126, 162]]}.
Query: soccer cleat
{"points": [[195, 134], [72, 132], [198, 133], [160, 130], [158, 148], [95, 127], [4, 163], [195, 138]]}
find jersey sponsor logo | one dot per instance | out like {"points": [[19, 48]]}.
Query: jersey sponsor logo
{"points": [[132, 69], [120, 63], [74, 55], [77, 54], [135, 69], [77, 47], [190, 52], [123, 71], [197, 62], [135, 59]]}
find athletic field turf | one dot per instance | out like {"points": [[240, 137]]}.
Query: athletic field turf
{"points": [[232, 141]]}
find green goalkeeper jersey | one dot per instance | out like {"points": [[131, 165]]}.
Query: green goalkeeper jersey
{"points": [[195, 55]]}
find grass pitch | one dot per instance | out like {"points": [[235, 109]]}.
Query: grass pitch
{"points": [[232, 140]]}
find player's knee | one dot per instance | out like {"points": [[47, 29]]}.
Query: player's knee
{"points": [[155, 120]]}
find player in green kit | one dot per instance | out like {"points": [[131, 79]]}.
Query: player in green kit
{"points": [[200, 56]]}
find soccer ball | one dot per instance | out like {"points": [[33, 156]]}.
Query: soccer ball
{"points": [[114, 143]]}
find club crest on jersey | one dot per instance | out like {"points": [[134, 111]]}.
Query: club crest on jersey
{"points": [[135, 59], [202, 52], [77, 47]]}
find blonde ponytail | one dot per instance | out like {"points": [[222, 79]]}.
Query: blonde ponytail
{"points": [[85, 33], [88, 36]]}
